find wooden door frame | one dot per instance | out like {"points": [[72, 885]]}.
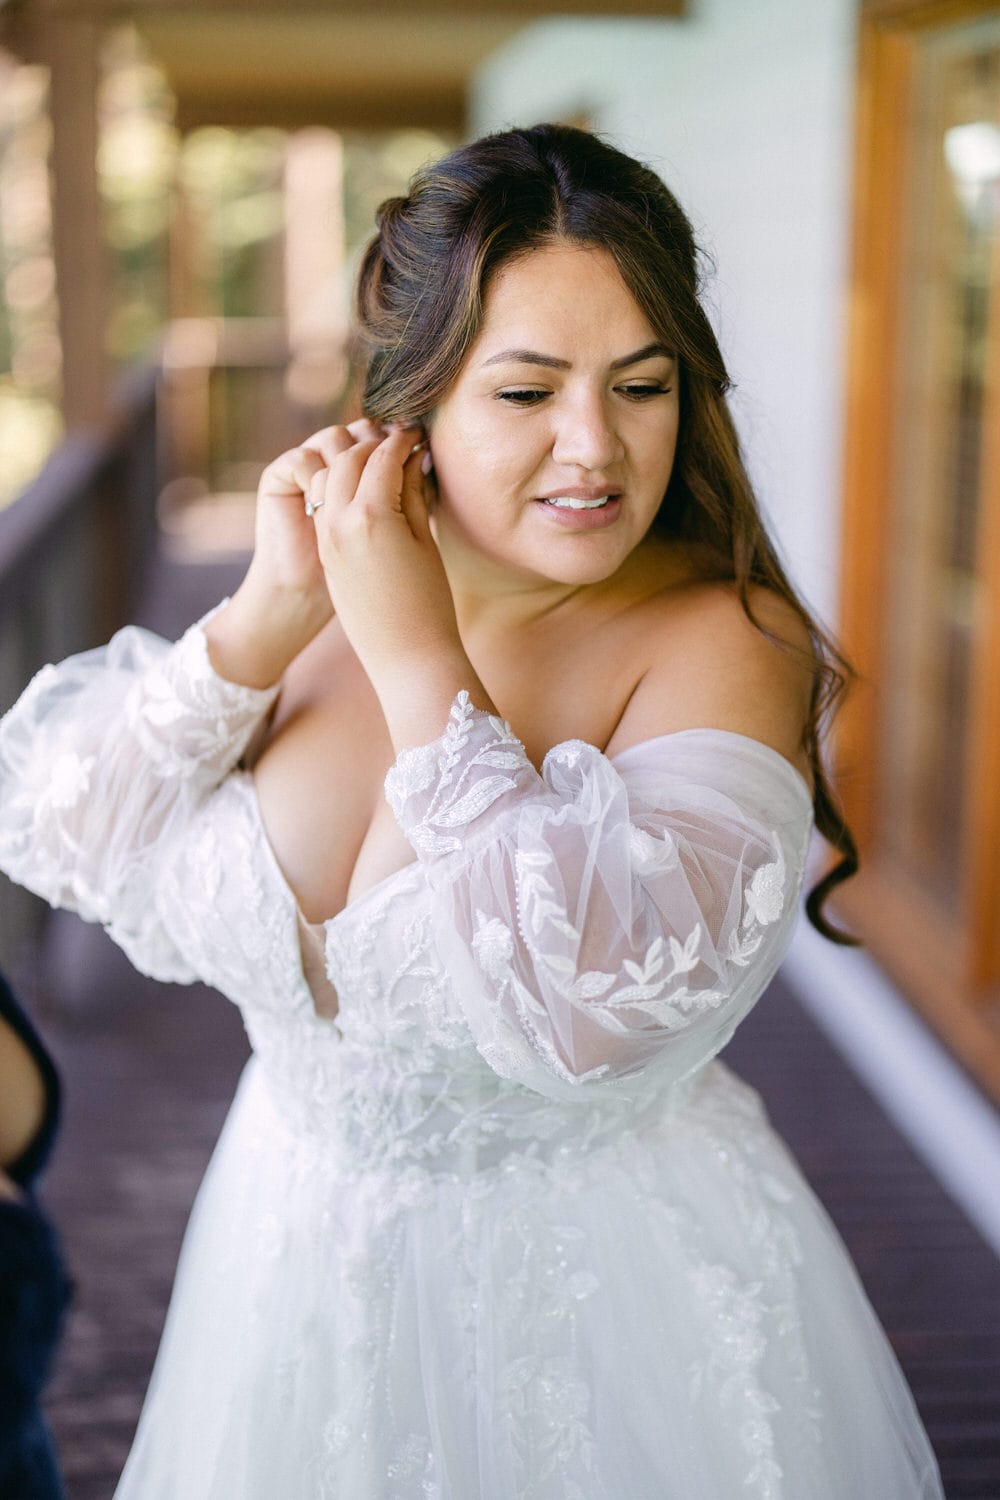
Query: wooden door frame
{"points": [[951, 975]]}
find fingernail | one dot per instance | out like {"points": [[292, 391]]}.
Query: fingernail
{"points": [[427, 462]]}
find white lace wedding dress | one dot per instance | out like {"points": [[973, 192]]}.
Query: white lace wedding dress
{"points": [[502, 1230]]}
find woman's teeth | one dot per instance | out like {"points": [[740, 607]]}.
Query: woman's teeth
{"points": [[567, 504]]}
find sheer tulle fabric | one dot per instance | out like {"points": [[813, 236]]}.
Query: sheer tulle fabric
{"points": [[500, 1229], [598, 926], [106, 763]]}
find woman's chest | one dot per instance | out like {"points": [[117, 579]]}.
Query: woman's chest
{"points": [[320, 777], [544, 708]]}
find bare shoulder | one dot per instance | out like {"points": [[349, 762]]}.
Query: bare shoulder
{"points": [[711, 667]]}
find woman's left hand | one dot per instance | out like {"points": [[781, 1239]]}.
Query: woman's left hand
{"points": [[383, 569]]}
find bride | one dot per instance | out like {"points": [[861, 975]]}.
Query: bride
{"points": [[486, 798]]}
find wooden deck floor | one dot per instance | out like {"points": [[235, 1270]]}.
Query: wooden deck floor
{"points": [[150, 1069]]}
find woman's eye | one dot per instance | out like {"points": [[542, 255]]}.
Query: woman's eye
{"points": [[521, 398], [643, 391], [640, 391]]}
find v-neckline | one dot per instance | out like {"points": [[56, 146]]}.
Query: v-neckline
{"points": [[349, 906], [774, 756]]}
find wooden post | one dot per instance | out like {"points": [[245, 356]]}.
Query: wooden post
{"points": [[69, 47]]}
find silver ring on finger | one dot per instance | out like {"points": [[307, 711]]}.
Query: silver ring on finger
{"points": [[312, 506]]}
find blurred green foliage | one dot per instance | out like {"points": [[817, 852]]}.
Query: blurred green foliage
{"points": [[193, 226]]}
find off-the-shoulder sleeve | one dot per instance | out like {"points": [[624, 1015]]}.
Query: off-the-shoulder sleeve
{"points": [[604, 919], [104, 761]]}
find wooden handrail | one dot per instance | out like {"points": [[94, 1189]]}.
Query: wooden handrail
{"points": [[71, 553], [74, 471], [27, 525]]}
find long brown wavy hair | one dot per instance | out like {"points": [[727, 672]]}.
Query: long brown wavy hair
{"points": [[419, 304]]}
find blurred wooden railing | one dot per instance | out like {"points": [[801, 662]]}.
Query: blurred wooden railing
{"points": [[234, 394], [214, 404], [72, 549]]}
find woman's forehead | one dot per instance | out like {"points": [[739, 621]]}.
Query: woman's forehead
{"points": [[564, 293]]}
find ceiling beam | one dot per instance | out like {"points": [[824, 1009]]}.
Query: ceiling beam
{"points": [[444, 109], [339, 63], [344, 71], [458, 10]]}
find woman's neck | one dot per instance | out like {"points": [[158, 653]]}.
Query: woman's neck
{"points": [[502, 603]]}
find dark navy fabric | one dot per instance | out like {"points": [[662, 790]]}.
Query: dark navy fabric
{"points": [[34, 1292]]}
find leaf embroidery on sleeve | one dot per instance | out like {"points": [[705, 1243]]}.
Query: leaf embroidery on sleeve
{"points": [[669, 914]]}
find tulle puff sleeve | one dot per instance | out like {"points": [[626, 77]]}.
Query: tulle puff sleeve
{"points": [[605, 920], [104, 760]]}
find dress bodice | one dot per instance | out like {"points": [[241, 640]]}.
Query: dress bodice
{"points": [[566, 952]]}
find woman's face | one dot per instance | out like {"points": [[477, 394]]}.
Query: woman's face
{"points": [[566, 395]]}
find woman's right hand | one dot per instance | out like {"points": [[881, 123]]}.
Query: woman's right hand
{"points": [[283, 602]]}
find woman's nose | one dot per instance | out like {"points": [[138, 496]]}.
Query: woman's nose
{"points": [[586, 437]]}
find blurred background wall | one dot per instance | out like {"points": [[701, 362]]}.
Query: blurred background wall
{"points": [[746, 112]]}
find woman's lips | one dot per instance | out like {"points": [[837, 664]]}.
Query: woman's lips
{"points": [[582, 492], [594, 519]]}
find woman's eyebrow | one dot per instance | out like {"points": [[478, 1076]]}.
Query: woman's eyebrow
{"points": [[532, 357]]}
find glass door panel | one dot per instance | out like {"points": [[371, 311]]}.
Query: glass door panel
{"points": [[945, 362]]}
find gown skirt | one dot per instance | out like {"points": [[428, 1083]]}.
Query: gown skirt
{"points": [[677, 1320]]}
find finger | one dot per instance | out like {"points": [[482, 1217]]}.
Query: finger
{"points": [[413, 431], [292, 472], [315, 495], [413, 497], [343, 478], [364, 428], [333, 440], [330, 442], [399, 442], [382, 478]]}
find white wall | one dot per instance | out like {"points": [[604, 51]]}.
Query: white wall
{"points": [[745, 109]]}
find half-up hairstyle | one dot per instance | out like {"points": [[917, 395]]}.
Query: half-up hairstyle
{"points": [[419, 305]]}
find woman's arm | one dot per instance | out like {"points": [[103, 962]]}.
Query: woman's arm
{"points": [[388, 583], [106, 762], [22, 1099], [599, 919]]}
